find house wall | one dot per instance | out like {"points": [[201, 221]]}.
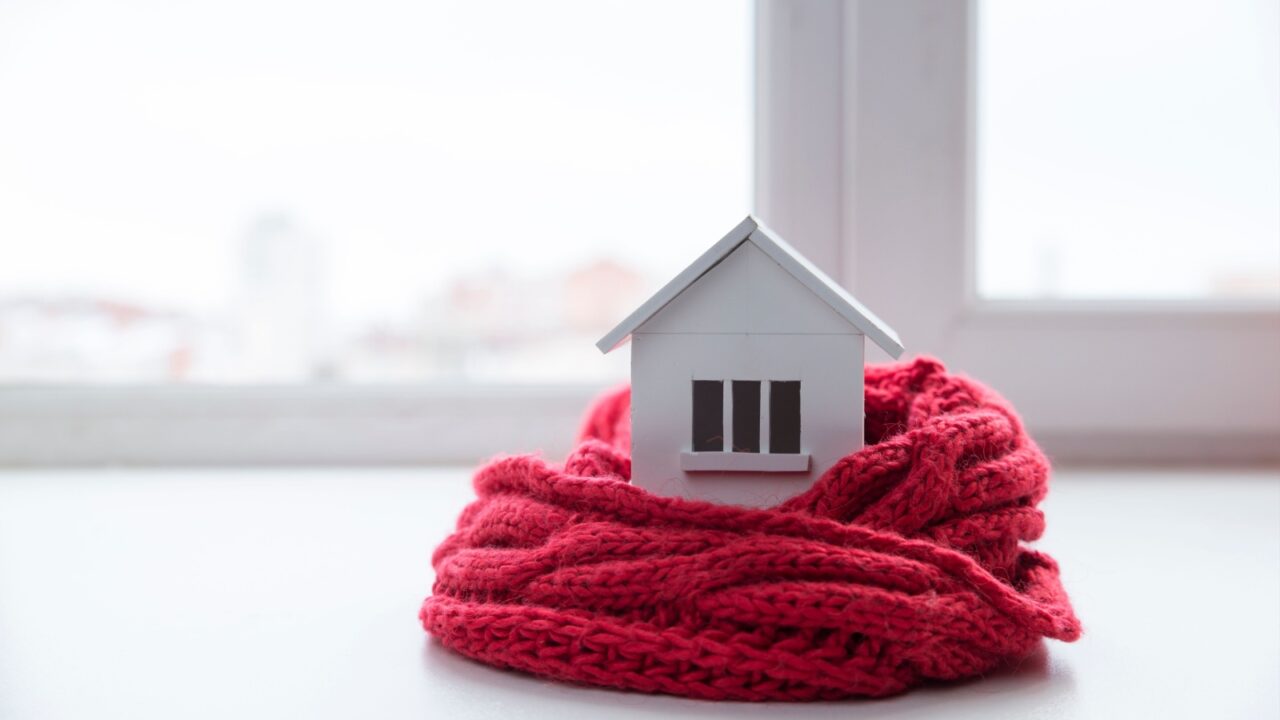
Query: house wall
{"points": [[664, 366], [747, 292], [747, 318]]}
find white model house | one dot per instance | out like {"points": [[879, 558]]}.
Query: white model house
{"points": [[746, 373]]}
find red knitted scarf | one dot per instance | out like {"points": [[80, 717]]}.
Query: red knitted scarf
{"points": [[903, 563]]}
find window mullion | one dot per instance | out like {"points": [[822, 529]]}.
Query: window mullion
{"points": [[766, 387], [728, 416]]}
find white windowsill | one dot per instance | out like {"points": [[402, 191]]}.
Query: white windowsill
{"points": [[166, 425], [169, 633], [744, 461]]}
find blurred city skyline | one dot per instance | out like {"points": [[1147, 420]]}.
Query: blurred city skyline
{"points": [[488, 326]]}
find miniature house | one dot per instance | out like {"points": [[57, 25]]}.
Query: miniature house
{"points": [[746, 374]]}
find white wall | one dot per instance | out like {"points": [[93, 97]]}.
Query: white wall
{"points": [[747, 292]]}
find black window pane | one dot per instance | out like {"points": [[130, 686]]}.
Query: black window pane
{"points": [[746, 416], [784, 416], [708, 415]]}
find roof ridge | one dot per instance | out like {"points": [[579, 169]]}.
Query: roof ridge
{"points": [[786, 256]]}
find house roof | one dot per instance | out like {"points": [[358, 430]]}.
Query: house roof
{"points": [[751, 230]]}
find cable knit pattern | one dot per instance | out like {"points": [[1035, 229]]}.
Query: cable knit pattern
{"points": [[902, 564]]}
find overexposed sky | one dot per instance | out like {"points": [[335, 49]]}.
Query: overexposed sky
{"points": [[1126, 149], [1129, 148], [140, 139]]}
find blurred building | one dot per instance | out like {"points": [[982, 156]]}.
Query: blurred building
{"points": [[87, 339], [280, 303], [495, 326], [597, 295]]}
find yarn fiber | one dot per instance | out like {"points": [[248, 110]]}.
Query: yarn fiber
{"points": [[902, 564]]}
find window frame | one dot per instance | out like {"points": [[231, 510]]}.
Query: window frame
{"points": [[729, 458], [891, 87], [864, 160]]}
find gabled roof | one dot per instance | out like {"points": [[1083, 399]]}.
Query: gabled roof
{"points": [[750, 230]]}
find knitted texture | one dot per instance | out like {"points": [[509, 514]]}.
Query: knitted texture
{"points": [[902, 564]]}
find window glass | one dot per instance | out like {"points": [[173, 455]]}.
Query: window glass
{"points": [[1128, 149], [384, 191], [784, 416], [746, 416], [708, 416]]}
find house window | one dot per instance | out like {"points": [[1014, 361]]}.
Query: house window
{"points": [[708, 416], [746, 416], [748, 407], [784, 416]]}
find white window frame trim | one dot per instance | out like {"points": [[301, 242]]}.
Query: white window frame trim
{"points": [[890, 85], [887, 85]]}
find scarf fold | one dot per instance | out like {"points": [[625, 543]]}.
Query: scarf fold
{"points": [[903, 563]]}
